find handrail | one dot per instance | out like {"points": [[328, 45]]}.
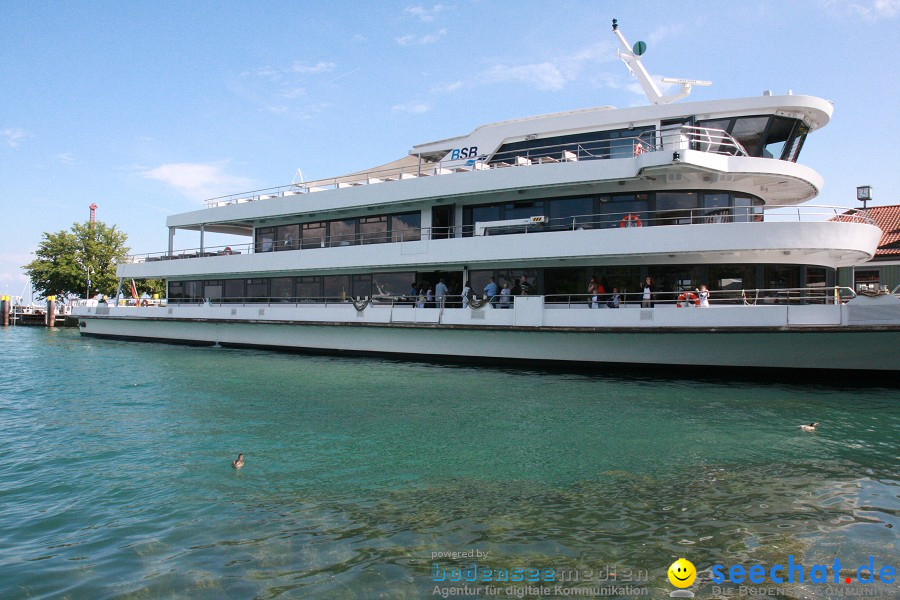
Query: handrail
{"points": [[695, 216], [686, 297], [684, 137]]}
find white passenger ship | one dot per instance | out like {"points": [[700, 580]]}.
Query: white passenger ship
{"points": [[703, 193]]}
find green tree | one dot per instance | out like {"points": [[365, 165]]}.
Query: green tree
{"points": [[64, 260]]}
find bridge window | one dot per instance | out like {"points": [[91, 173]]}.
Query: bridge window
{"points": [[406, 227], [287, 237], [313, 235]]}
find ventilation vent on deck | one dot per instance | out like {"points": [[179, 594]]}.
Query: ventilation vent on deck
{"points": [[262, 312], [233, 312], [646, 315]]}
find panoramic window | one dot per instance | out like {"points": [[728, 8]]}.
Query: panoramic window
{"points": [[258, 289], [777, 137], [336, 286], [342, 233], [287, 237], [373, 230], [282, 287], [313, 235], [265, 239], [406, 227], [571, 213], [214, 290], [309, 287], [234, 288]]}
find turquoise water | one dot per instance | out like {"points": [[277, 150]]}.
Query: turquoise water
{"points": [[115, 479]]}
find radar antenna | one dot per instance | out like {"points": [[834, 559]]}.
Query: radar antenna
{"points": [[631, 56], [298, 179]]}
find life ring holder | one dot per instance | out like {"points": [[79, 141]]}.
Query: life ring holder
{"points": [[227, 251], [631, 220], [687, 298]]}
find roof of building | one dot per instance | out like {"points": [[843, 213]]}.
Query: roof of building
{"points": [[888, 219]]}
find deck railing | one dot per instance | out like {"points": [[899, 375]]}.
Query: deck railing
{"points": [[611, 220], [703, 139], [687, 298]]}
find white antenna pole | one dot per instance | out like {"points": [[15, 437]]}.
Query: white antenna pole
{"points": [[633, 62], [636, 67]]}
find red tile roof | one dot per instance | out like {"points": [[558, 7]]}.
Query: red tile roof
{"points": [[888, 219]]}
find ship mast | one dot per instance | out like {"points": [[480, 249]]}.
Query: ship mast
{"points": [[631, 56]]}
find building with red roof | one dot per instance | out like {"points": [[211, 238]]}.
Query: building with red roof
{"points": [[883, 271]]}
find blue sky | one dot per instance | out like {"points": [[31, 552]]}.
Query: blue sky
{"points": [[147, 108]]}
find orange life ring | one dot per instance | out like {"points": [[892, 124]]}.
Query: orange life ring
{"points": [[687, 298], [631, 220], [639, 149], [227, 251]]}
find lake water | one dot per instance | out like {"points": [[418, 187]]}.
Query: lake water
{"points": [[115, 478]]}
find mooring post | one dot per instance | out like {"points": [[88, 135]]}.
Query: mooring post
{"points": [[4, 309], [51, 311]]}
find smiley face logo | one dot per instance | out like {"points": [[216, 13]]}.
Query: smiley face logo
{"points": [[682, 573]]}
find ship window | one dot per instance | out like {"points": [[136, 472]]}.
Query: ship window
{"points": [[570, 213], [257, 288], [336, 286], [193, 289], [234, 288], [342, 233], [373, 230], [406, 227], [721, 124], [678, 206], [777, 136], [523, 210], [213, 290], [265, 239], [749, 132], [728, 281], [796, 142], [176, 290], [718, 205], [480, 214], [282, 287], [309, 288], [362, 286], [287, 237], [615, 209], [392, 284], [313, 235]]}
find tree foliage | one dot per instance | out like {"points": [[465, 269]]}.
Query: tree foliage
{"points": [[65, 259]]}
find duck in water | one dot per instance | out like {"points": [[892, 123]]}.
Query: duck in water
{"points": [[808, 428], [238, 462]]}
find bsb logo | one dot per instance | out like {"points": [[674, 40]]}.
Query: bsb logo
{"points": [[458, 153]]}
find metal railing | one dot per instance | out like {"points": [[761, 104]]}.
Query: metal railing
{"points": [[714, 141], [685, 298], [611, 220], [691, 297]]}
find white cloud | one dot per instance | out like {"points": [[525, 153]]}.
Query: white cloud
{"points": [[198, 181], [869, 10], [319, 67], [543, 76], [414, 108], [66, 158], [552, 74], [14, 135], [431, 38], [426, 15]]}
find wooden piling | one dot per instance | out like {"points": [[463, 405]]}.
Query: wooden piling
{"points": [[51, 312], [4, 310]]}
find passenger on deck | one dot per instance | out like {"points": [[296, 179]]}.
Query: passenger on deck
{"points": [[490, 291], [505, 297], [592, 292], [526, 287], [614, 301], [440, 292], [647, 295], [466, 294], [703, 294]]}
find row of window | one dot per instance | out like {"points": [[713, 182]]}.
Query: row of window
{"points": [[378, 229], [618, 143], [724, 279], [609, 210], [765, 136]]}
